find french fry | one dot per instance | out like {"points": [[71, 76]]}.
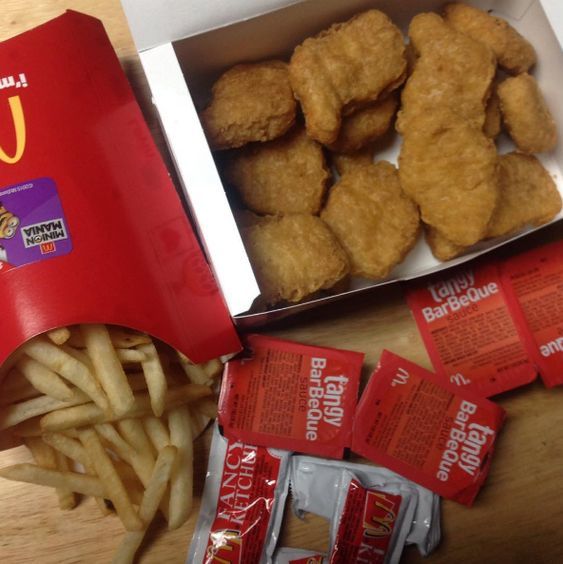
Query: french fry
{"points": [[155, 377], [213, 368], [18, 412], [157, 432], [115, 490], [43, 379], [199, 422], [207, 406], [195, 373], [133, 432], [181, 479], [149, 505], [90, 414], [32, 474], [108, 368], [59, 336], [130, 356], [68, 367], [67, 499]]}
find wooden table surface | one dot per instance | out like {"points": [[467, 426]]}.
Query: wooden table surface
{"points": [[517, 517]]}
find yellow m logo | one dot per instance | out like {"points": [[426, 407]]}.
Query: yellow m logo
{"points": [[19, 128]]}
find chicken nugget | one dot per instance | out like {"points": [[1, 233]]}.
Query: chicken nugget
{"points": [[515, 54], [365, 125], [376, 223], [294, 256], [452, 71], [250, 102], [526, 115], [346, 162], [449, 168], [287, 175], [528, 196], [344, 67]]}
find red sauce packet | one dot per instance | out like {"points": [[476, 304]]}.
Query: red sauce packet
{"points": [[291, 396], [469, 333], [431, 432], [533, 283]]}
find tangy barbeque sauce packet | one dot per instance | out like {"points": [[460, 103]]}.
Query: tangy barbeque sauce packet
{"points": [[242, 505], [434, 433], [533, 283], [291, 396], [468, 331]]}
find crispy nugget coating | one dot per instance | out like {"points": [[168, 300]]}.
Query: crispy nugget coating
{"points": [[528, 196], [346, 162], [376, 223], [448, 167], [287, 175], [365, 125], [492, 125], [294, 256], [515, 54], [452, 71], [526, 115], [250, 102], [350, 64]]}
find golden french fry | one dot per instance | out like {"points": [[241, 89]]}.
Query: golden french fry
{"points": [[32, 474], [108, 368], [16, 388], [43, 379], [157, 432], [68, 367], [79, 354], [181, 480], [133, 432], [207, 406], [199, 422], [213, 368], [115, 490], [59, 336], [90, 414], [130, 356], [155, 377], [149, 505], [67, 499], [14, 414], [195, 373]]}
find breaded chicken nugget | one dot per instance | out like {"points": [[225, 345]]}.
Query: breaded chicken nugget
{"points": [[346, 162], [528, 196], [287, 175], [526, 115], [452, 71], [376, 223], [448, 167], [251, 102], [514, 53], [294, 256], [348, 65], [492, 125], [365, 125]]}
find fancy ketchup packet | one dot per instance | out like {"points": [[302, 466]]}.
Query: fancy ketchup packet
{"points": [[469, 333], [242, 505], [286, 555], [533, 283], [291, 396], [432, 432], [372, 511]]}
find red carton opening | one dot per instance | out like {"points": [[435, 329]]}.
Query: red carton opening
{"points": [[91, 227]]}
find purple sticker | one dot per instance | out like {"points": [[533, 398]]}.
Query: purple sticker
{"points": [[33, 226]]}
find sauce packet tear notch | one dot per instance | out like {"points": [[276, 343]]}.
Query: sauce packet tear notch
{"points": [[291, 396]]}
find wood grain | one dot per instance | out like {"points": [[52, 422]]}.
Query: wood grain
{"points": [[517, 517]]}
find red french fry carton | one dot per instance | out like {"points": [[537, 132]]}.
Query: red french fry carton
{"points": [[291, 396], [470, 336], [428, 430], [91, 227], [533, 283]]}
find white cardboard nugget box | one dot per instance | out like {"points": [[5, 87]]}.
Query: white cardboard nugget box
{"points": [[184, 46]]}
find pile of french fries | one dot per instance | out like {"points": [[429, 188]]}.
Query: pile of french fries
{"points": [[110, 413]]}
